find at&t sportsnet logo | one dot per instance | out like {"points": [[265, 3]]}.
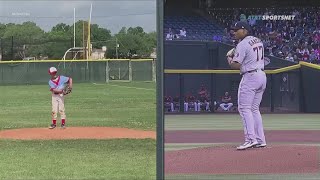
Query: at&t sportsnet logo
{"points": [[272, 17]]}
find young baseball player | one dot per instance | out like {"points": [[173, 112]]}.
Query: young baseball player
{"points": [[57, 86], [248, 56]]}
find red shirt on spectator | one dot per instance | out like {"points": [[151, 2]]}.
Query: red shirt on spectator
{"points": [[305, 56]]}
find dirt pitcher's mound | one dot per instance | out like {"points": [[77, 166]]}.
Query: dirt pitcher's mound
{"points": [[76, 133], [275, 159]]}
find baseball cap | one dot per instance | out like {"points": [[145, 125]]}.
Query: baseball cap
{"points": [[52, 70], [241, 25]]}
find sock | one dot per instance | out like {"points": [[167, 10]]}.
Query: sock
{"points": [[54, 121], [63, 121]]}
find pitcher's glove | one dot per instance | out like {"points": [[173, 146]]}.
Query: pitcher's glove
{"points": [[231, 52], [67, 90]]}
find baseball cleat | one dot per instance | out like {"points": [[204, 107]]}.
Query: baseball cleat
{"points": [[247, 145], [63, 126], [260, 145], [52, 126]]}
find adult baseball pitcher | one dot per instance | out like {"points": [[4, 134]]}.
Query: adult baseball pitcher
{"points": [[59, 86], [248, 56]]}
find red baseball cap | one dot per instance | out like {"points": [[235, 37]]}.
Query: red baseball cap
{"points": [[52, 70]]}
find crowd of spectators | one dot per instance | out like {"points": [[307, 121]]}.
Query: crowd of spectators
{"points": [[293, 40]]}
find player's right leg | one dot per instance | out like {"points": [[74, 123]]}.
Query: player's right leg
{"points": [[222, 105], [54, 112], [246, 94], [229, 106], [195, 106], [186, 106], [171, 107], [207, 106]]}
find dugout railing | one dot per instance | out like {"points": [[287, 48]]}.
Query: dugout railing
{"points": [[288, 89]]}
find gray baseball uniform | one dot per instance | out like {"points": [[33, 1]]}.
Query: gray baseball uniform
{"points": [[250, 54]]}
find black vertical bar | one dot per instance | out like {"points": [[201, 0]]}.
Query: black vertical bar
{"points": [[302, 105], [272, 93], [11, 47], [212, 89], [1, 48], [181, 82], [159, 98]]}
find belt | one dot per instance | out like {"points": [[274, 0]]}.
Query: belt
{"points": [[251, 71]]}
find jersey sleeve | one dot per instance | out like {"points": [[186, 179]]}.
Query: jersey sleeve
{"points": [[64, 79], [240, 53], [51, 85]]}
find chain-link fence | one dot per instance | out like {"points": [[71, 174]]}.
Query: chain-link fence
{"points": [[36, 72]]}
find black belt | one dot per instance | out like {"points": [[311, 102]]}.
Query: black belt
{"points": [[255, 70]]}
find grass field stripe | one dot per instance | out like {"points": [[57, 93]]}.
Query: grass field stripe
{"points": [[132, 87], [124, 86]]}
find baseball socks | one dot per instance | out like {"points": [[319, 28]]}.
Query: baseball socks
{"points": [[54, 124], [63, 122]]}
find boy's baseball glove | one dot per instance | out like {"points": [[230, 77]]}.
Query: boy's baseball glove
{"points": [[67, 90]]}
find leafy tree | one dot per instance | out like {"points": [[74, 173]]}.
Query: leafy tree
{"points": [[31, 40]]}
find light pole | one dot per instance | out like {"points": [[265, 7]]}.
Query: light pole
{"points": [[116, 47]]}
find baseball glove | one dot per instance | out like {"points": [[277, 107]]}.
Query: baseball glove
{"points": [[67, 90], [231, 52]]}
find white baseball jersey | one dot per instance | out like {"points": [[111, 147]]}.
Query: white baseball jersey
{"points": [[250, 54]]}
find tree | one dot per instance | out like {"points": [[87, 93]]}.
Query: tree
{"points": [[136, 31], [31, 40], [99, 36], [23, 35], [132, 41], [61, 27]]}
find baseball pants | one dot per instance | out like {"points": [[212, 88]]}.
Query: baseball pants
{"points": [[58, 106], [250, 92]]}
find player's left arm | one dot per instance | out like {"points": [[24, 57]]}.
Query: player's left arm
{"points": [[70, 82], [238, 57]]}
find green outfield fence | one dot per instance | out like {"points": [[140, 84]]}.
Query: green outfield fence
{"points": [[97, 71]]}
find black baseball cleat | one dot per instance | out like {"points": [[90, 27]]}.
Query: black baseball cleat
{"points": [[63, 126], [52, 126]]}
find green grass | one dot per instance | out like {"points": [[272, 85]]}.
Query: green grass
{"points": [[233, 122], [78, 159], [129, 105], [89, 105]]}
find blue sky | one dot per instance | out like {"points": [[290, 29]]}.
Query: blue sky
{"points": [[110, 14]]}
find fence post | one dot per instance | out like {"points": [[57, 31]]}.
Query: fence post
{"points": [[11, 47], [302, 107], [213, 89], [130, 71], [272, 93], [154, 70], [181, 82], [107, 71]]}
